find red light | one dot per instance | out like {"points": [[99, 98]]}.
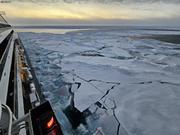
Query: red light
{"points": [[50, 123]]}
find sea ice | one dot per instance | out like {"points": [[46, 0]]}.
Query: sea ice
{"points": [[135, 80]]}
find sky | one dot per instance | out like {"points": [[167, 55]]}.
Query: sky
{"points": [[92, 12]]}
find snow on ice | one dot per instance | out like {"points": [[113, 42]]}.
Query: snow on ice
{"points": [[125, 80]]}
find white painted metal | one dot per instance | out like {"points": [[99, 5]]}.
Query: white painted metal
{"points": [[10, 118], [32, 85], [37, 103], [0, 109], [33, 97], [4, 34], [6, 73], [20, 95], [2, 13]]}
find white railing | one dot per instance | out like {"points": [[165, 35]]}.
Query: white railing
{"points": [[2, 20], [12, 125]]}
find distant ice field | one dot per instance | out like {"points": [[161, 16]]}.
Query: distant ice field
{"points": [[52, 31], [134, 78]]}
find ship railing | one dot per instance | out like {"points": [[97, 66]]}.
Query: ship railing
{"points": [[3, 22], [9, 124]]}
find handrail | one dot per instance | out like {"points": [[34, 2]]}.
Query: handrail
{"points": [[10, 118], [2, 19]]}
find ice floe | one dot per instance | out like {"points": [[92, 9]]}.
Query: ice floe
{"points": [[123, 79]]}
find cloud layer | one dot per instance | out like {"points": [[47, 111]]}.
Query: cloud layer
{"points": [[94, 11], [124, 1], [101, 1]]}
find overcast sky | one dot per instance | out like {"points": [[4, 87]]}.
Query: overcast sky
{"points": [[93, 12]]}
